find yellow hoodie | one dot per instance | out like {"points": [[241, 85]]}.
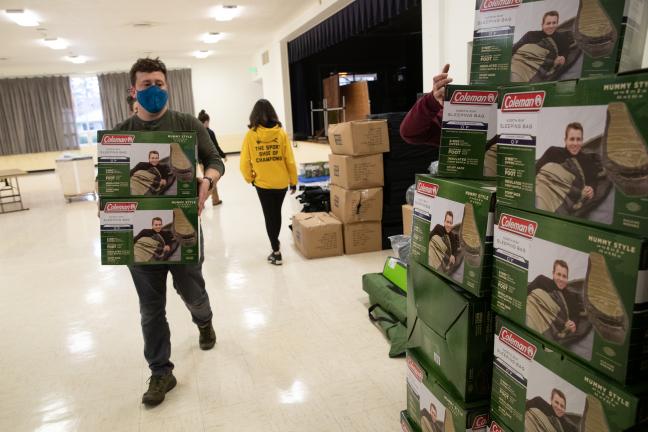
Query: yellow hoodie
{"points": [[267, 158]]}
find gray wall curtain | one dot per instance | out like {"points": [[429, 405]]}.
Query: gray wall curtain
{"points": [[113, 88], [36, 115]]}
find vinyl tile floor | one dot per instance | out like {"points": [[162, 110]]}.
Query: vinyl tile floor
{"points": [[295, 349]]}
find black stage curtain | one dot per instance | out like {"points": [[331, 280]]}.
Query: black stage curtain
{"points": [[359, 16]]}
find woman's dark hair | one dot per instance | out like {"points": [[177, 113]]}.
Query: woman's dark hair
{"points": [[263, 114], [203, 116]]}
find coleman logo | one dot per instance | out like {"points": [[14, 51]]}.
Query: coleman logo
{"points": [[468, 97], [118, 139], [119, 207], [429, 189], [495, 428], [516, 225], [480, 422], [488, 5], [530, 101], [525, 348], [415, 369]]}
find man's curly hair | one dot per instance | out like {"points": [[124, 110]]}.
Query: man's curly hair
{"points": [[147, 65]]}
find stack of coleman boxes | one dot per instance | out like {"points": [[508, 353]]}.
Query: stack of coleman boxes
{"points": [[450, 323], [569, 250], [570, 258], [357, 178], [148, 205]]}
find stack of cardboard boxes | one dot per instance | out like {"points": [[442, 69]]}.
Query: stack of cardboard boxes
{"points": [[356, 175], [148, 205]]}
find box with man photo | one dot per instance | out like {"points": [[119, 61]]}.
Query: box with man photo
{"points": [[149, 231], [138, 164], [538, 389], [452, 230], [452, 331], [525, 41], [577, 150], [581, 289], [468, 140], [432, 407]]}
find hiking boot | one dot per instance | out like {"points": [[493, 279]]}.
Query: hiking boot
{"points": [[207, 338], [274, 258], [159, 385]]}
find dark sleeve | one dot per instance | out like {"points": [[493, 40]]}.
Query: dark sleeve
{"points": [[438, 230], [139, 166], [553, 154], [454, 242], [527, 38], [167, 236], [143, 233], [207, 154], [212, 135], [564, 41], [422, 124], [164, 170]]}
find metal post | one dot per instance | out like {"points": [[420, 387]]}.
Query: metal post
{"points": [[325, 106]]}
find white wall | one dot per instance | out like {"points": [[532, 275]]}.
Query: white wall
{"points": [[447, 29], [275, 74], [225, 89]]}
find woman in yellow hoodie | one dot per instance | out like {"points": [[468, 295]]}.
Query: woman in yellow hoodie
{"points": [[268, 163]]}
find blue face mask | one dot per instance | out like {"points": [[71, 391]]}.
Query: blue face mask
{"points": [[152, 99]]}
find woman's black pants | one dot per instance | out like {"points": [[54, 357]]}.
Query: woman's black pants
{"points": [[271, 201]]}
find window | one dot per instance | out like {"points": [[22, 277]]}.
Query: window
{"points": [[87, 107]]}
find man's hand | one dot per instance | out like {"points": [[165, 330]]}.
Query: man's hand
{"points": [[167, 248], [162, 182], [440, 81], [452, 260], [293, 189], [571, 326], [204, 192], [560, 60], [588, 192]]}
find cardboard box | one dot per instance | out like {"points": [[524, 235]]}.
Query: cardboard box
{"points": [[604, 288], [468, 141], [510, 46], [362, 205], [452, 331], [356, 172], [317, 235], [467, 209], [528, 377], [433, 407], [362, 237], [149, 231], [357, 138], [541, 127], [146, 164], [407, 219]]}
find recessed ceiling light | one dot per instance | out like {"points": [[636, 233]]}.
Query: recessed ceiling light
{"points": [[76, 59], [55, 43], [22, 17], [201, 54], [226, 12], [212, 37]]}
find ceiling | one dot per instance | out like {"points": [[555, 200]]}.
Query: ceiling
{"points": [[115, 32]]}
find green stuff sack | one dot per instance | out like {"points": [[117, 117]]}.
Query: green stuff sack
{"points": [[395, 331], [594, 31]]}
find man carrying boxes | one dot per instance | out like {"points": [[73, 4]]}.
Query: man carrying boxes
{"points": [[149, 86]]}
